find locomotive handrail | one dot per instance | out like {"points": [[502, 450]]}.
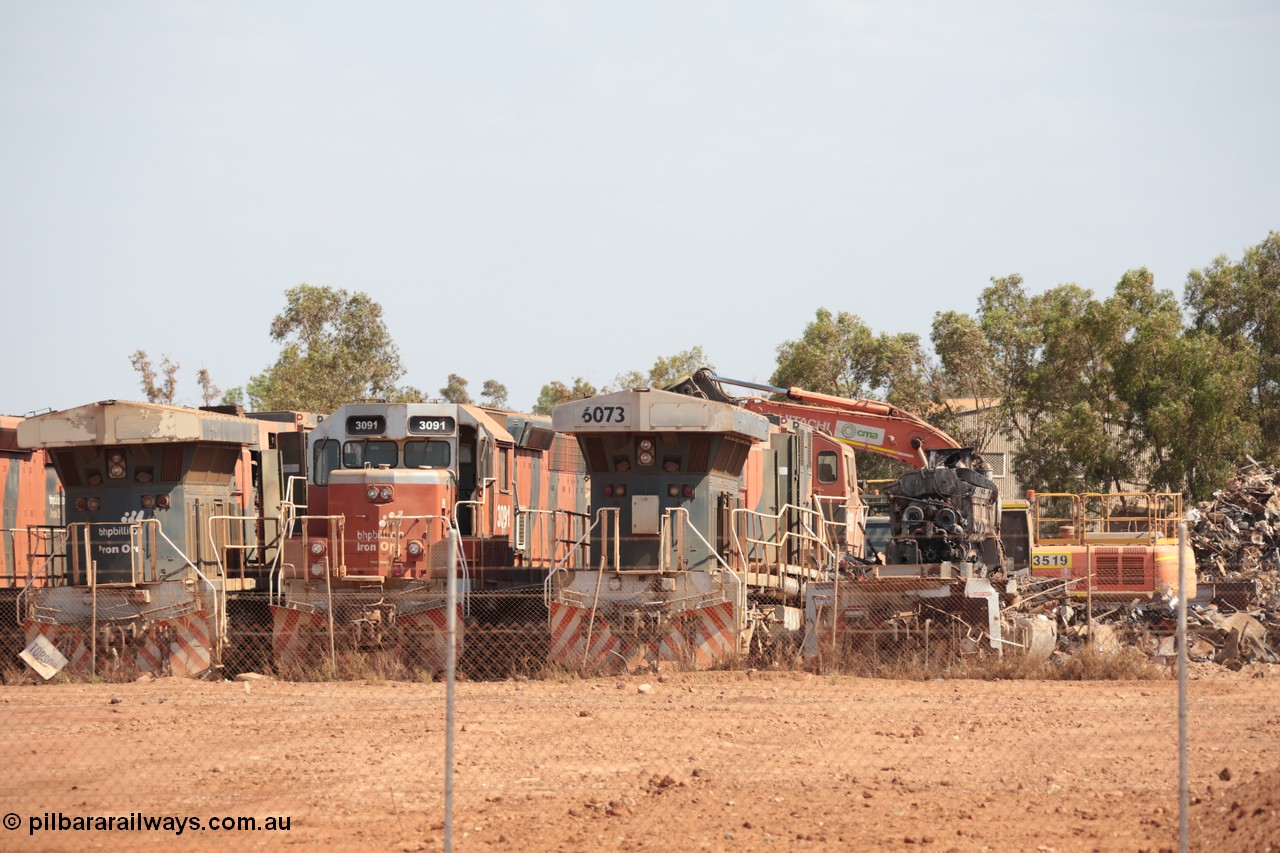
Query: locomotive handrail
{"points": [[558, 567], [275, 580], [832, 556], [217, 619], [859, 512], [665, 535], [244, 545], [29, 531], [288, 518], [696, 532], [522, 534], [778, 542], [59, 550], [288, 490], [484, 495], [400, 518], [615, 514], [459, 553]]}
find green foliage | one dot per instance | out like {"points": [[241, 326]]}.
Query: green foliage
{"points": [[666, 371], [336, 349], [1101, 394], [839, 354], [554, 393], [494, 394], [964, 381], [1238, 304], [455, 390]]}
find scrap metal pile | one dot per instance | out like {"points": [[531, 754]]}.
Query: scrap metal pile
{"points": [[1236, 538]]}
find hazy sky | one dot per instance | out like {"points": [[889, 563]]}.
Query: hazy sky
{"points": [[538, 191]]}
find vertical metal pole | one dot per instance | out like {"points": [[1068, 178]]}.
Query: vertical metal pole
{"points": [[1183, 784], [450, 667], [93, 585], [1088, 597]]}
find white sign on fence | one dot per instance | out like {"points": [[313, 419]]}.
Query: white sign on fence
{"points": [[43, 657]]}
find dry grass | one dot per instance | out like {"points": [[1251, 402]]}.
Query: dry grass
{"points": [[372, 667], [875, 660]]}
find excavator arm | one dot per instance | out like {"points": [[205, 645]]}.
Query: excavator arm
{"points": [[869, 425]]}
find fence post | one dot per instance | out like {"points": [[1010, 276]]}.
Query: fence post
{"points": [[1183, 788], [450, 666]]}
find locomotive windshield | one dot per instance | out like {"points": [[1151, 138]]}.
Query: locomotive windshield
{"points": [[370, 454], [426, 454], [373, 453]]}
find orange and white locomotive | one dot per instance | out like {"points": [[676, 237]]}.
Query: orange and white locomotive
{"points": [[391, 485], [708, 523]]}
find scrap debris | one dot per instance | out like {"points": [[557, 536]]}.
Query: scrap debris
{"points": [[1236, 536], [1236, 539]]}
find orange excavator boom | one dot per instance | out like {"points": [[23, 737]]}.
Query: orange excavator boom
{"points": [[870, 425]]}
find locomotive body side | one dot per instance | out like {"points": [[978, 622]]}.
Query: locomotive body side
{"points": [[30, 507], [142, 580]]}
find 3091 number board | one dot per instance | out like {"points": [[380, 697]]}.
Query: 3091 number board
{"points": [[366, 425], [432, 425]]}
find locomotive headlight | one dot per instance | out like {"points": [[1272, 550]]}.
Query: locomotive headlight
{"points": [[620, 491], [673, 491], [115, 464], [94, 504], [385, 493], [148, 501], [644, 454], [373, 493], [415, 548], [318, 547], [317, 570]]}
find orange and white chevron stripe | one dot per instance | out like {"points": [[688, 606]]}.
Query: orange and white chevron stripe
{"points": [[696, 638], [182, 646], [297, 636], [423, 637]]}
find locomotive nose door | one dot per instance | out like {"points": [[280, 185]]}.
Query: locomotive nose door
{"points": [[833, 473]]}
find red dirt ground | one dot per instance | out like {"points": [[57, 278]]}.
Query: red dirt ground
{"points": [[707, 761]]}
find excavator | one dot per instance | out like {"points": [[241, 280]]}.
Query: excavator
{"points": [[947, 510]]}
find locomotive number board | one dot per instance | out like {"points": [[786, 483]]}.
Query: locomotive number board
{"points": [[366, 425], [604, 414], [432, 425]]}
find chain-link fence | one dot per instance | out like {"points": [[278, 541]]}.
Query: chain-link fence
{"points": [[911, 630], [939, 712]]}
